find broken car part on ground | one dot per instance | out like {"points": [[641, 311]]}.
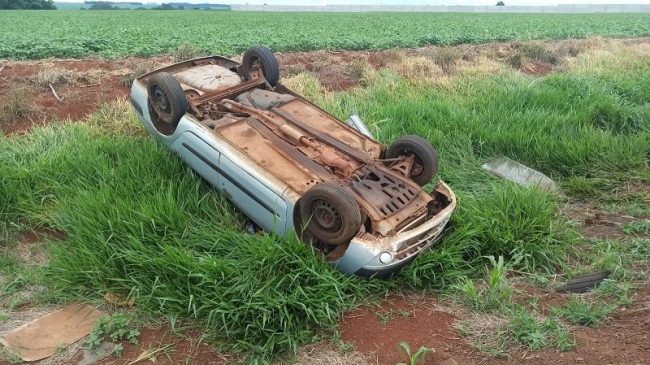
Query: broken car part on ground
{"points": [[290, 166]]}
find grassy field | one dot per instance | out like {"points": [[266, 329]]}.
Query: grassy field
{"points": [[33, 35], [140, 223]]}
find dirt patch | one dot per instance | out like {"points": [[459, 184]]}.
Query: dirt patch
{"points": [[625, 339], [37, 234], [182, 349], [336, 70], [377, 331], [537, 68], [596, 224], [87, 84]]}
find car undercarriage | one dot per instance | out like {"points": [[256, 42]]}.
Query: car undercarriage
{"points": [[348, 184]]}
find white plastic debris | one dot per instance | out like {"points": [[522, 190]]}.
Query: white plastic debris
{"points": [[519, 174]]}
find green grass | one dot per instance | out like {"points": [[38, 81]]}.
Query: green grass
{"points": [[636, 207], [524, 327], [9, 357], [140, 223], [637, 228], [585, 312], [494, 294], [28, 35], [623, 259], [517, 327], [20, 283], [626, 261], [538, 334]]}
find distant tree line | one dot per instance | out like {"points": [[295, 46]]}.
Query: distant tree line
{"points": [[101, 5], [110, 5], [134, 3], [183, 6], [170, 7], [27, 4]]}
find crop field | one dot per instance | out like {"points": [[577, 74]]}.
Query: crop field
{"points": [[93, 209], [30, 35]]}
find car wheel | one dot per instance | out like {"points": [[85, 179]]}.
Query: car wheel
{"points": [[330, 213], [425, 156], [263, 58], [166, 98]]}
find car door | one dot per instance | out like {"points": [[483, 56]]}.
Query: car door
{"points": [[199, 155], [252, 196], [248, 193]]}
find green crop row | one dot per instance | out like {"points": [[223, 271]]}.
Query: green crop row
{"points": [[74, 34]]}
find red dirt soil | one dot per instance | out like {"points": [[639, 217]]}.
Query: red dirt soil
{"points": [[186, 349], [78, 100], [417, 323], [38, 234], [623, 340], [336, 70], [537, 68]]}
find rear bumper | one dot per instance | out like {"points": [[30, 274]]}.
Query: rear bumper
{"points": [[363, 257]]}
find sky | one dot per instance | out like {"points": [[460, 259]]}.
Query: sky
{"points": [[392, 2]]}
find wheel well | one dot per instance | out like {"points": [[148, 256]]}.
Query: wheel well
{"points": [[161, 127]]}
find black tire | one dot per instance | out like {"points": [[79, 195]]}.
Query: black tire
{"points": [[583, 283], [166, 98], [330, 213], [425, 156], [266, 60]]}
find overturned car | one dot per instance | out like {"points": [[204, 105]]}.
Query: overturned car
{"points": [[292, 167]]}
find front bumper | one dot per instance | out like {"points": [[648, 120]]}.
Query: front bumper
{"points": [[363, 256]]}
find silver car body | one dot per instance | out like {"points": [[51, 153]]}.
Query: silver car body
{"points": [[270, 202]]}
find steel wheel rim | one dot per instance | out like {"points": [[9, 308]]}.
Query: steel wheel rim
{"points": [[161, 103], [326, 216]]}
